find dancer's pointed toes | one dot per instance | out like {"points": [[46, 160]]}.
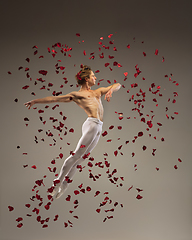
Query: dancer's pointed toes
{"points": [[59, 194]]}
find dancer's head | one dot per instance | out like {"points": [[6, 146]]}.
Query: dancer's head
{"points": [[84, 75]]}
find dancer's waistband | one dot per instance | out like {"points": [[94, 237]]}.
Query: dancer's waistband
{"points": [[95, 120]]}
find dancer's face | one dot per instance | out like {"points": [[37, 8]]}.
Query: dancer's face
{"points": [[92, 79]]}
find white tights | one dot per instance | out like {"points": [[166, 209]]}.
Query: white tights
{"points": [[91, 131]]}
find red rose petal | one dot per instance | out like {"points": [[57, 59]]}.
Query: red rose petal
{"points": [[110, 35], [20, 225], [179, 160], [107, 164], [65, 224], [97, 193], [156, 52], [115, 153], [104, 133], [98, 210], [90, 164], [43, 72], [34, 167], [47, 207], [139, 196], [140, 134], [139, 190], [149, 123], [56, 217], [68, 198], [27, 205], [41, 111], [78, 34], [11, 208], [71, 130], [130, 188], [25, 87], [19, 219], [175, 167], [82, 190], [76, 192], [88, 189]]}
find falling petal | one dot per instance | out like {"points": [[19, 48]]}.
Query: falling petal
{"points": [[11, 208], [19, 219], [68, 198], [104, 133], [139, 196], [175, 167], [140, 134], [65, 224], [20, 225], [98, 210], [25, 87], [156, 52], [43, 72], [76, 192]]}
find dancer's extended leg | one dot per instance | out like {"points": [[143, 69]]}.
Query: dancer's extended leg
{"points": [[71, 173], [91, 129]]}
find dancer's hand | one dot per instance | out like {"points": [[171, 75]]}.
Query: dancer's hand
{"points": [[108, 95], [29, 104]]}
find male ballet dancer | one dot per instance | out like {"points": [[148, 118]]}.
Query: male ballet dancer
{"points": [[90, 101]]}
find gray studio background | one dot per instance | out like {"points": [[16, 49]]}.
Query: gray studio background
{"points": [[164, 212]]}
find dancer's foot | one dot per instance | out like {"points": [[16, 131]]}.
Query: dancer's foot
{"points": [[62, 189], [59, 193]]}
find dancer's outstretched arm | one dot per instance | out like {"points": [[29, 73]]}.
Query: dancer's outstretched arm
{"points": [[65, 98]]}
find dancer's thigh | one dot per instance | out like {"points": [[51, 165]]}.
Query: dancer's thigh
{"points": [[89, 133]]}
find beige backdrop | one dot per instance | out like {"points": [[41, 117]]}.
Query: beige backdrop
{"points": [[164, 212]]}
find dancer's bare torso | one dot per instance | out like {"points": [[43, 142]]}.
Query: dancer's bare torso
{"points": [[90, 102]]}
